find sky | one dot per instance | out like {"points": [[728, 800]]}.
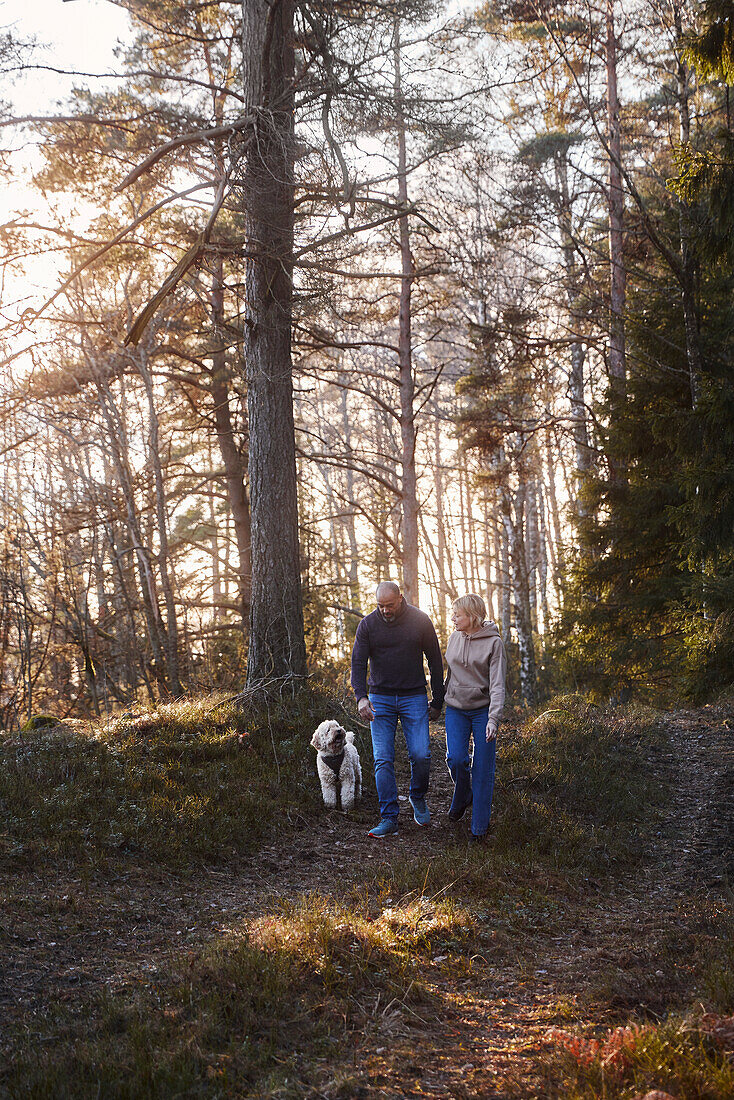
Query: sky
{"points": [[79, 35]]}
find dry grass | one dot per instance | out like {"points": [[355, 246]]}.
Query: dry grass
{"points": [[269, 1007]]}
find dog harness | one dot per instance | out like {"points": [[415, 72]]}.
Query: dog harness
{"points": [[335, 763]]}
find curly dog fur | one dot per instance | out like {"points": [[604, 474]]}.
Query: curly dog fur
{"points": [[337, 763]]}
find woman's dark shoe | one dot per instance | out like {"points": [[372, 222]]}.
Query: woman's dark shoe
{"points": [[477, 839], [456, 815]]}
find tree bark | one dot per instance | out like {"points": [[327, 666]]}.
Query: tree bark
{"points": [[277, 646], [618, 273], [171, 634], [354, 593], [503, 560], [688, 263], [573, 296], [232, 458], [521, 594], [405, 361]]}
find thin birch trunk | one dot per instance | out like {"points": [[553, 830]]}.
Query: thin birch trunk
{"points": [[543, 557], [503, 558], [520, 591]]}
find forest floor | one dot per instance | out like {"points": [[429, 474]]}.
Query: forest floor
{"points": [[542, 949]]}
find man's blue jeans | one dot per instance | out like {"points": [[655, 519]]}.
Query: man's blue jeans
{"points": [[475, 785], [412, 710]]}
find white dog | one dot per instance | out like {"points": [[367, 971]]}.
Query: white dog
{"points": [[337, 762]]}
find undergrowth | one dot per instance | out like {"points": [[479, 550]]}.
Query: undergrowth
{"points": [[266, 1009], [194, 781], [690, 1057]]}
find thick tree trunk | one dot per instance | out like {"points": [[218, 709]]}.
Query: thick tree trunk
{"points": [[618, 274], [277, 647], [405, 360]]}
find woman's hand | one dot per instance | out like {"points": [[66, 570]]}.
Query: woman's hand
{"points": [[491, 730]]}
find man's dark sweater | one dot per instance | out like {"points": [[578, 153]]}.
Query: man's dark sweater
{"points": [[395, 654]]}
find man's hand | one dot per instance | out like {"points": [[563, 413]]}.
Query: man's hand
{"points": [[433, 713], [366, 712], [491, 731]]}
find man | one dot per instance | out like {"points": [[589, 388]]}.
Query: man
{"points": [[394, 639]]}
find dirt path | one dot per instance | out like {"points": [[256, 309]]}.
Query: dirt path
{"points": [[613, 953]]}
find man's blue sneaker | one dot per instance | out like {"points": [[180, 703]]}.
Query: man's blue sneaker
{"points": [[421, 813], [386, 826]]}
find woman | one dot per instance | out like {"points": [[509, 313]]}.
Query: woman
{"points": [[475, 695]]}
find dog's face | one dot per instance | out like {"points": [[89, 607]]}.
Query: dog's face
{"points": [[329, 738]]}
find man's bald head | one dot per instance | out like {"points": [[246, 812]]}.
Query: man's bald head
{"points": [[387, 588], [388, 599]]}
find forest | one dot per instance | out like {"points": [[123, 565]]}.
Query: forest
{"points": [[300, 296], [493, 256]]}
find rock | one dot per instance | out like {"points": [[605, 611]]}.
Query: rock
{"points": [[654, 1094], [39, 722]]}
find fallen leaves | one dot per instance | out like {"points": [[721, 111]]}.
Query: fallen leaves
{"points": [[613, 1054]]}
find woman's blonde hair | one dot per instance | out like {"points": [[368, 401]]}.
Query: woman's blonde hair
{"points": [[474, 606]]}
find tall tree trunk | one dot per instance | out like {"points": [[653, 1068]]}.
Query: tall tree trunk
{"points": [[443, 587], [148, 588], [688, 263], [490, 587], [350, 526], [277, 645], [573, 296], [232, 458], [337, 583], [521, 597], [543, 552], [618, 273], [171, 634], [216, 564], [503, 560], [405, 360], [532, 547]]}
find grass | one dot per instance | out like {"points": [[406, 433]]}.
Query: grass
{"points": [[266, 1009], [684, 1056], [578, 793], [180, 786], [240, 1013]]}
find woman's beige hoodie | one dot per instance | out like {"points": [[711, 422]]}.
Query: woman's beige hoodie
{"points": [[477, 666]]}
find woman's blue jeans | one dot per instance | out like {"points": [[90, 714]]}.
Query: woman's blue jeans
{"points": [[473, 780], [412, 710]]}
